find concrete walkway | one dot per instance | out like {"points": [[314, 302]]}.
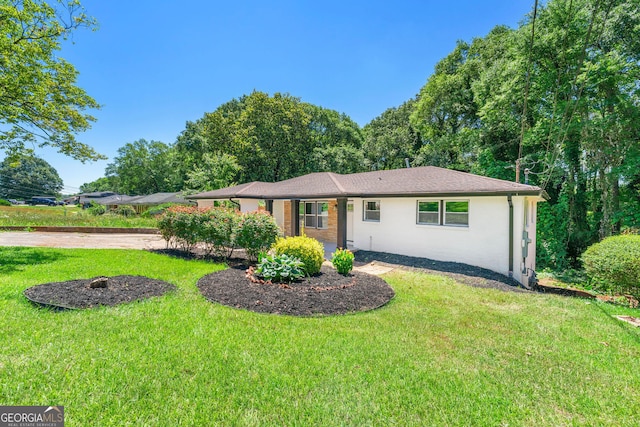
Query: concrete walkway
{"points": [[82, 240]]}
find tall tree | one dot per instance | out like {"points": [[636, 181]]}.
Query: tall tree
{"points": [[390, 138], [25, 176], [40, 102], [144, 167]]}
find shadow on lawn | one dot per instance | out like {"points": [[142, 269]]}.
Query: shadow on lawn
{"points": [[13, 258]]}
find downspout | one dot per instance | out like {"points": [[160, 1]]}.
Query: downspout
{"points": [[510, 201], [235, 203]]}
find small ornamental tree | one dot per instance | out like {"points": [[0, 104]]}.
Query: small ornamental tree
{"points": [[256, 232]]}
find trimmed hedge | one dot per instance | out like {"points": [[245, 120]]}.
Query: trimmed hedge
{"points": [[256, 232], [613, 265], [309, 250]]}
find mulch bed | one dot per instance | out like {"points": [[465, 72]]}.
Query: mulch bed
{"points": [[328, 293], [77, 293], [463, 273]]}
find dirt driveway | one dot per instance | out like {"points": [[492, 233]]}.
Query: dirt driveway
{"points": [[82, 240]]}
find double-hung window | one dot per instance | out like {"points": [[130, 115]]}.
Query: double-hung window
{"points": [[316, 214], [443, 212], [371, 210]]}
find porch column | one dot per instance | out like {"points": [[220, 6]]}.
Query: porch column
{"points": [[295, 217], [269, 206], [342, 223]]}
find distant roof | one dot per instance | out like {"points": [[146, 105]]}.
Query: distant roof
{"points": [[116, 199], [160, 198], [96, 194], [425, 181]]}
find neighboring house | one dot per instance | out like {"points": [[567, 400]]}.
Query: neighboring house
{"points": [[426, 212], [143, 203]]}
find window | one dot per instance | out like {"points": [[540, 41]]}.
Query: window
{"points": [[443, 212], [316, 214], [456, 213], [429, 212], [371, 211]]}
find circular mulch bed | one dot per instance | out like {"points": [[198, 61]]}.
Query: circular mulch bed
{"points": [[79, 293], [327, 293]]}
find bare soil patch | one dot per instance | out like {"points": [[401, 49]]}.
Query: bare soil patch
{"points": [[328, 293], [74, 294]]}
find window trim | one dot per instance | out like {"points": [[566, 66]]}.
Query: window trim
{"points": [[316, 214], [442, 212], [437, 212], [365, 210]]}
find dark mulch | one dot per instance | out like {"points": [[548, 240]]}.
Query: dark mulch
{"points": [[327, 293], [463, 273], [78, 294]]}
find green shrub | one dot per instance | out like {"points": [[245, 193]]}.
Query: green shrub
{"points": [[309, 250], [155, 211], [613, 265], [256, 232], [96, 209], [218, 231], [280, 268], [342, 261], [4, 202], [125, 210], [180, 227]]}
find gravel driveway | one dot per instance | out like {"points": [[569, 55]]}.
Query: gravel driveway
{"points": [[82, 240]]}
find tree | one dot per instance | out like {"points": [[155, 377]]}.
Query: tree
{"points": [[214, 172], [40, 102], [100, 184], [271, 138], [26, 176], [390, 138], [144, 167]]}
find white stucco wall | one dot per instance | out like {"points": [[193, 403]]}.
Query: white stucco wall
{"points": [[248, 205], [278, 213], [484, 243], [205, 203]]}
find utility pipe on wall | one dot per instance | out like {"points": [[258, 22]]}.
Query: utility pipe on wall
{"points": [[510, 201]]}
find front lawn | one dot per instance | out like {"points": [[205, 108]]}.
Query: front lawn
{"points": [[70, 216], [440, 353]]}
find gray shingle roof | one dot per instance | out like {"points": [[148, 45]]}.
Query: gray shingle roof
{"points": [[160, 198], [421, 181]]}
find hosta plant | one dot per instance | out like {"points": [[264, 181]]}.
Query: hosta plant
{"points": [[280, 268]]}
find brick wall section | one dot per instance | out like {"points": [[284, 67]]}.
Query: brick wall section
{"points": [[330, 234]]}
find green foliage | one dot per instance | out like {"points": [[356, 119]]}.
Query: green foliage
{"points": [[214, 172], [342, 261], [217, 231], [613, 264], [39, 100], [155, 211], [96, 209], [180, 226], [125, 210], [256, 232], [101, 184], [144, 167], [307, 249], [25, 176], [280, 268], [4, 202]]}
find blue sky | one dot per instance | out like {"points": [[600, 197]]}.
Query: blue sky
{"points": [[153, 65]]}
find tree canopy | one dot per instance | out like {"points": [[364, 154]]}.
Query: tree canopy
{"points": [[26, 176], [40, 102]]}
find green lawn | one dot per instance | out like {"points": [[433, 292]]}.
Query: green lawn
{"points": [[440, 353], [31, 216]]}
